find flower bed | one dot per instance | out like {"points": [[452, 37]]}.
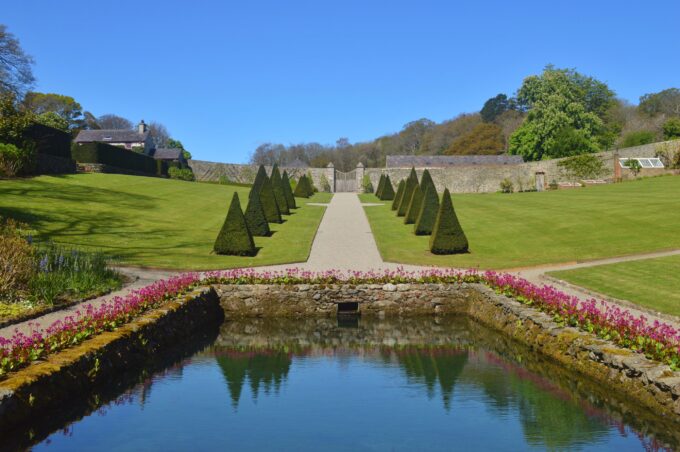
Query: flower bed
{"points": [[656, 340]]}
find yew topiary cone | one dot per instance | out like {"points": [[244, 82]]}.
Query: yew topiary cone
{"points": [[399, 195], [414, 206], [256, 219], [387, 193], [279, 194], [447, 236], [381, 183], [271, 209], [290, 198], [234, 238], [303, 189], [411, 184], [257, 183], [429, 208]]}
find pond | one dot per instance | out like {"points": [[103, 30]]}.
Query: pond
{"points": [[356, 384]]}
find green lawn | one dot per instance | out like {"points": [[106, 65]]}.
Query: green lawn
{"points": [[654, 283], [151, 222], [528, 229]]}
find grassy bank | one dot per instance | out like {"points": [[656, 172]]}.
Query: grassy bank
{"points": [[527, 229], [653, 283], [149, 221]]}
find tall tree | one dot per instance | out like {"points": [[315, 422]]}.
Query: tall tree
{"points": [[159, 134], [110, 121], [495, 107], [664, 102], [16, 73], [176, 144], [64, 106]]}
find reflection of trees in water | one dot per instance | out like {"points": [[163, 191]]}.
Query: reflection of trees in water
{"points": [[264, 369]]}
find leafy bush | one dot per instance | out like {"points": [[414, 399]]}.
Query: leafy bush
{"points": [[447, 236], [234, 238], [181, 174], [16, 260], [279, 194], [638, 138], [114, 156], [387, 193], [290, 198], [671, 129], [224, 180], [669, 153], [580, 167], [366, 184], [268, 200], [507, 186], [429, 208], [634, 166], [256, 219], [414, 206], [325, 184], [14, 160], [411, 183], [400, 194]]}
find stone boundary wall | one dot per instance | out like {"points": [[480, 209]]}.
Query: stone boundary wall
{"points": [[108, 169], [245, 174], [51, 383], [487, 178], [653, 385]]}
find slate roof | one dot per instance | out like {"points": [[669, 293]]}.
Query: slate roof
{"points": [[114, 136], [167, 154], [439, 161]]}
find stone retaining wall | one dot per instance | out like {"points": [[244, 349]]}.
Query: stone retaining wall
{"points": [[245, 174], [650, 383]]}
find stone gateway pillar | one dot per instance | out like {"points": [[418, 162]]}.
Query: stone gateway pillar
{"points": [[330, 175], [360, 177]]}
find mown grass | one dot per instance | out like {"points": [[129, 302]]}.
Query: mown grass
{"points": [[654, 283], [151, 222], [528, 229]]}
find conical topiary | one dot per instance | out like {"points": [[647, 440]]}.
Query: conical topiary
{"points": [[303, 189], [399, 195], [447, 235], [381, 182], [414, 206], [269, 206], [387, 193], [257, 183], [234, 237], [411, 183], [429, 207], [256, 219], [290, 198], [279, 194]]}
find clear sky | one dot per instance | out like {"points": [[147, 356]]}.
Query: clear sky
{"points": [[226, 76]]}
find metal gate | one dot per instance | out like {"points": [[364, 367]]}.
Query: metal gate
{"points": [[346, 182]]}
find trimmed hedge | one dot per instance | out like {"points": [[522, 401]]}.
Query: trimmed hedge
{"points": [[290, 197], [256, 219], [257, 183], [234, 238], [387, 193], [411, 183], [381, 184], [48, 140], [114, 156], [304, 189], [268, 200], [414, 206], [279, 193], [399, 195], [447, 236], [429, 207]]}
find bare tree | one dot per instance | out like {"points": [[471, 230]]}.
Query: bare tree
{"points": [[114, 122], [16, 74], [159, 133]]}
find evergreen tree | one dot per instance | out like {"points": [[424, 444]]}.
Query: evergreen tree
{"points": [[290, 198], [381, 182], [414, 206], [301, 190], [429, 208], [234, 237], [271, 209], [447, 236], [257, 183], [279, 193], [425, 180], [387, 193], [399, 195], [411, 184], [256, 219]]}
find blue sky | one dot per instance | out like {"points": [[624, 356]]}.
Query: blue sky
{"points": [[225, 77]]}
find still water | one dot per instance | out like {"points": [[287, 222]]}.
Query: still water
{"points": [[407, 384]]}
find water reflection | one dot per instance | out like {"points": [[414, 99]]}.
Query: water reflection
{"points": [[420, 383]]}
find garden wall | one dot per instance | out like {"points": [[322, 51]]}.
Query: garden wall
{"points": [[245, 174]]}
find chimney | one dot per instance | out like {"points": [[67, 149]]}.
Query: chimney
{"points": [[142, 127]]}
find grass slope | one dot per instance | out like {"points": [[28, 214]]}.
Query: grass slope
{"points": [[151, 222], [654, 283], [527, 229]]}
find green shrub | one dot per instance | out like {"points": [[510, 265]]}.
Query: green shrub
{"points": [[279, 193], [268, 200], [671, 129], [387, 193], [234, 238], [411, 183], [400, 194], [288, 191], [366, 184], [113, 156], [414, 206], [161, 168], [638, 138], [447, 235], [259, 179], [507, 186], [224, 180], [429, 208], [381, 184], [15, 160], [580, 167], [181, 174], [256, 219], [325, 184]]}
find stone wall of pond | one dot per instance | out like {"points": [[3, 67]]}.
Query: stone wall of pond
{"points": [[650, 383]]}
